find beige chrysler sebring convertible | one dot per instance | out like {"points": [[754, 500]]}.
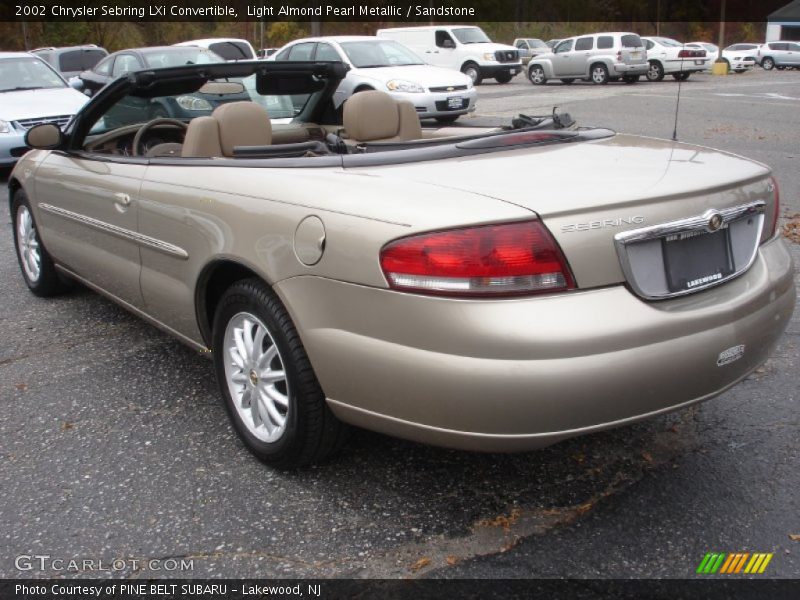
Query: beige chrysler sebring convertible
{"points": [[348, 267]]}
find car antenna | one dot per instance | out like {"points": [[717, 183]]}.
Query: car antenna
{"points": [[678, 103]]}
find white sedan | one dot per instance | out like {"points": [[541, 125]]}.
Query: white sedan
{"points": [[712, 51], [740, 57], [388, 66], [668, 56]]}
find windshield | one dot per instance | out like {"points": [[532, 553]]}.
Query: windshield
{"points": [[27, 73], [534, 43], [471, 35], [176, 57], [668, 42], [135, 109], [709, 47], [379, 53]]}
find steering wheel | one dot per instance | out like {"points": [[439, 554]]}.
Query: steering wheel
{"points": [[137, 139]]}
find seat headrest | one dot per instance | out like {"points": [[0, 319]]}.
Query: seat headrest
{"points": [[242, 124], [202, 139], [371, 115]]}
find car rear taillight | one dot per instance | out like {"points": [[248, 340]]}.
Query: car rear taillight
{"points": [[486, 260], [690, 53], [619, 55]]}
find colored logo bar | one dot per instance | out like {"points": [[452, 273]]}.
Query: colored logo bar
{"points": [[734, 562]]}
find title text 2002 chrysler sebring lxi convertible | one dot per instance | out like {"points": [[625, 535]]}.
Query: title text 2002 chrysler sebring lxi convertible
{"points": [[364, 271]]}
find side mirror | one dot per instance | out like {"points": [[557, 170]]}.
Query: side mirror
{"points": [[450, 44], [44, 137], [75, 83]]}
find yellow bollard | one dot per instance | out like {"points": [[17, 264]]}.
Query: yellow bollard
{"points": [[720, 67]]}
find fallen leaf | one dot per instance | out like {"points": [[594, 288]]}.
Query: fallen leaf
{"points": [[584, 508], [451, 560], [21, 386], [795, 537], [67, 425], [422, 562], [647, 456]]}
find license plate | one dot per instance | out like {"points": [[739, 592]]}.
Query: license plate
{"points": [[699, 62], [455, 102], [636, 54], [694, 260]]}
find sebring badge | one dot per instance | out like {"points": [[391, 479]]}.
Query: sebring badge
{"points": [[730, 355], [618, 222]]}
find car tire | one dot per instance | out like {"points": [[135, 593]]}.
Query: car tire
{"points": [[630, 79], [447, 119], [504, 78], [258, 356], [472, 71], [680, 76], [599, 74], [536, 75], [767, 63], [567, 81], [37, 266], [655, 72]]}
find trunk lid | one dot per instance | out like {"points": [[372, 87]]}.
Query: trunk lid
{"points": [[587, 192]]}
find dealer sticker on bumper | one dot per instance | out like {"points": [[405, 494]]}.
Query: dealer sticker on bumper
{"points": [[730, 355], [455, 102]]}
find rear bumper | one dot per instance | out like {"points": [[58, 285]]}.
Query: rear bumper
{"points": [[688, 65], [637, 69], [513, 375]]}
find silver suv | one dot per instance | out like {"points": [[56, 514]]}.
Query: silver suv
{"points": [[779, 54], [597, 57]]}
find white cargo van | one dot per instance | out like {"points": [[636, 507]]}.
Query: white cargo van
{"points": [[463, 47]]}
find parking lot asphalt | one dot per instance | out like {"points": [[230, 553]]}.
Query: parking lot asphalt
{"points": [[114, 444]]}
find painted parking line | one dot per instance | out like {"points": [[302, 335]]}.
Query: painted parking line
{"points": [[759, 95]]}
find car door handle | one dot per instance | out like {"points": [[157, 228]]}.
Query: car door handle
{"points": [[122, 199]]}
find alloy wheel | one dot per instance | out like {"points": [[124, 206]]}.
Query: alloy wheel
{"points": [[28, 245], [256, 378]]}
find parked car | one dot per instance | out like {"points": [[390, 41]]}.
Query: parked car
{"points": [[778, 55], [465, 48], [267, 52], [227, 48], [408, 283], [31, 93], [182, 106], [552, 43], [740, 57], [598, 57], [666, 56], [712, 51], [386, 65], [70, 61], [530, 47]]}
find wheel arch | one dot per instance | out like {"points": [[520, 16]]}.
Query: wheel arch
{"points": [[217, 276], [544, 64], [13, 185]]}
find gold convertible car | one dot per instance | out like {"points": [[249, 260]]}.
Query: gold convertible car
{"points": [[349, 267]]}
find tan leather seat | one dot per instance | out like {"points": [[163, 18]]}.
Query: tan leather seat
{"points": [[230, 125], [374, 116]]}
